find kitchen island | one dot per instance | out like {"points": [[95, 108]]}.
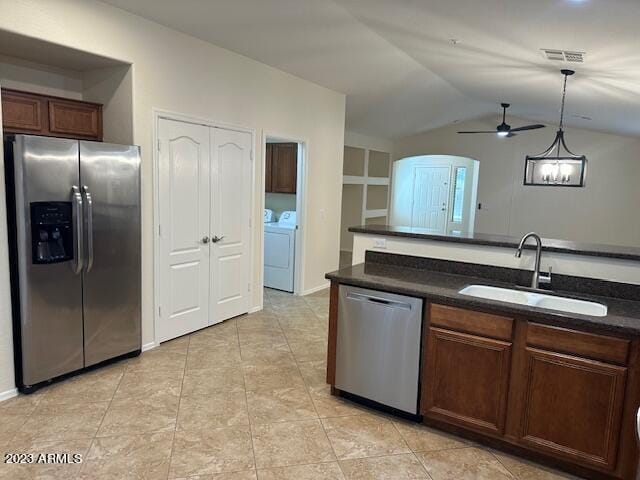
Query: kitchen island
{"points": [[557, 387]]}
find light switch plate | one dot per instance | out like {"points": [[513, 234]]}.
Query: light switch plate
{"points": [[380, 243]]}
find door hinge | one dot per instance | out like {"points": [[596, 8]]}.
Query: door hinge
{"points": [[252, 155], [159, 144], [249, 287], [159, 311], [159, 231]]}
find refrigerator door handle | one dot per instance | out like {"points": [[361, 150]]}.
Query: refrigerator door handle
{"points": [[78, 232], [89, 202]]}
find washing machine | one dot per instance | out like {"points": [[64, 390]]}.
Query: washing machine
{"points": [[279, 252]]}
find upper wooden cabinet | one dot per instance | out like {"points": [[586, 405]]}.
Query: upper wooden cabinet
{"points": [[24, 112], [281, 167], [21, 113]]}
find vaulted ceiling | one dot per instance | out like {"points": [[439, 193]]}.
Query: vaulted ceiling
{"points": [[411, 65]]}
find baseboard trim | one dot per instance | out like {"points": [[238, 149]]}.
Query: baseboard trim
{"points": [[149, 346], [316, 289], [7, 394]]}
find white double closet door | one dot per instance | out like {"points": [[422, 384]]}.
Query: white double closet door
{"points": [[204, 211]]}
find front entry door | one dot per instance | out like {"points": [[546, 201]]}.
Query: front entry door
{"points": [[430, 198], [230, 223], [184, 184]]}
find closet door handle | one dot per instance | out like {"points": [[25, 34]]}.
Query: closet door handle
{"points": [[205, 240], [216, 238]]}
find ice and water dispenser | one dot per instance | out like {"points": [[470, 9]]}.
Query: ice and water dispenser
{"points": [[51, 232]]}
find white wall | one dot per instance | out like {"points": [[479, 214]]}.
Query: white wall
{"points": [[280, 202], [175, 72], [20, 74], [112, 87], [612, 269], [359, 140], [605, 211]]}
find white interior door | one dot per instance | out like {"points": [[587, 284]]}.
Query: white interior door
{"points": [[430, 198], [184, 172], [230, 223]]}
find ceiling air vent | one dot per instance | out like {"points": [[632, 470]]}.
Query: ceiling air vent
{"points": [[563, 55]]}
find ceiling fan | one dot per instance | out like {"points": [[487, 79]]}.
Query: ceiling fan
{"points": [[504, 129]]}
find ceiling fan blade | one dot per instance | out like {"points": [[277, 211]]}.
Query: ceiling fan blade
{"points": [[481, 131], [512, 135], [527, 127]]}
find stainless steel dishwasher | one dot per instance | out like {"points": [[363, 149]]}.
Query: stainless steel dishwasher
{"points": [[378, 347]]}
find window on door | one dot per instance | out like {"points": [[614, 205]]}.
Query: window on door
{"points": [[460, 177]]}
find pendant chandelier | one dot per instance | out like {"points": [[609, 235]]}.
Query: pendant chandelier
{"points": [[557, 166]]}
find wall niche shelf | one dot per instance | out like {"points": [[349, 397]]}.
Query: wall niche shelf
{"points": [[365, 190]]}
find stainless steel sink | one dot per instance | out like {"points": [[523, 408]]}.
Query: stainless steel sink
{"points": [[533, 299]]}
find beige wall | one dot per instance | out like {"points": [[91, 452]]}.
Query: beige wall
{"points": [[605, 211], [175, 72]]}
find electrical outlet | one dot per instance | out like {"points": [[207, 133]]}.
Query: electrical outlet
{"points": [[380, 243]]}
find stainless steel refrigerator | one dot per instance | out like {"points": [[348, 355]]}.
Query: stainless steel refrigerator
{"points": [[73, 209]]}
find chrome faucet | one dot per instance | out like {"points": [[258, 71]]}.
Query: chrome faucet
{"points": [[537, 278]]}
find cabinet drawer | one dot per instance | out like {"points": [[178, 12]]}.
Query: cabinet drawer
{"points": [[583, 344], [21, 112], [468, 321], [73, 118]]}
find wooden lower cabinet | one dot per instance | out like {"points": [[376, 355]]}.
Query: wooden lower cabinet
{"points": [[573, 407], [566, 395], [467, 380]]}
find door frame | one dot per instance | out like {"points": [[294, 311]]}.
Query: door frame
{"points": [[158, 114], [301, 207]]}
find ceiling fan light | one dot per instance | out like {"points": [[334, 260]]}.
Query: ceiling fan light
{"points": [[503, 134]]}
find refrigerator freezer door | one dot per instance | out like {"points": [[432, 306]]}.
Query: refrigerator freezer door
{"points": [[44, 172], [110, 179]]}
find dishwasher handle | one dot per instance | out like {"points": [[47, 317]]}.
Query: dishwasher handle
{"points": [[379, 300]]}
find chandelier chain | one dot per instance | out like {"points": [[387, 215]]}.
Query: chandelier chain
{"points": [[564, 95]]}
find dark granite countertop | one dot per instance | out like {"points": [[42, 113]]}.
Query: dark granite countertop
{"points": [[548, 244], [440, 287]]}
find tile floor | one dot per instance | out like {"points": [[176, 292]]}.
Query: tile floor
{"points": [[243, 400]]}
